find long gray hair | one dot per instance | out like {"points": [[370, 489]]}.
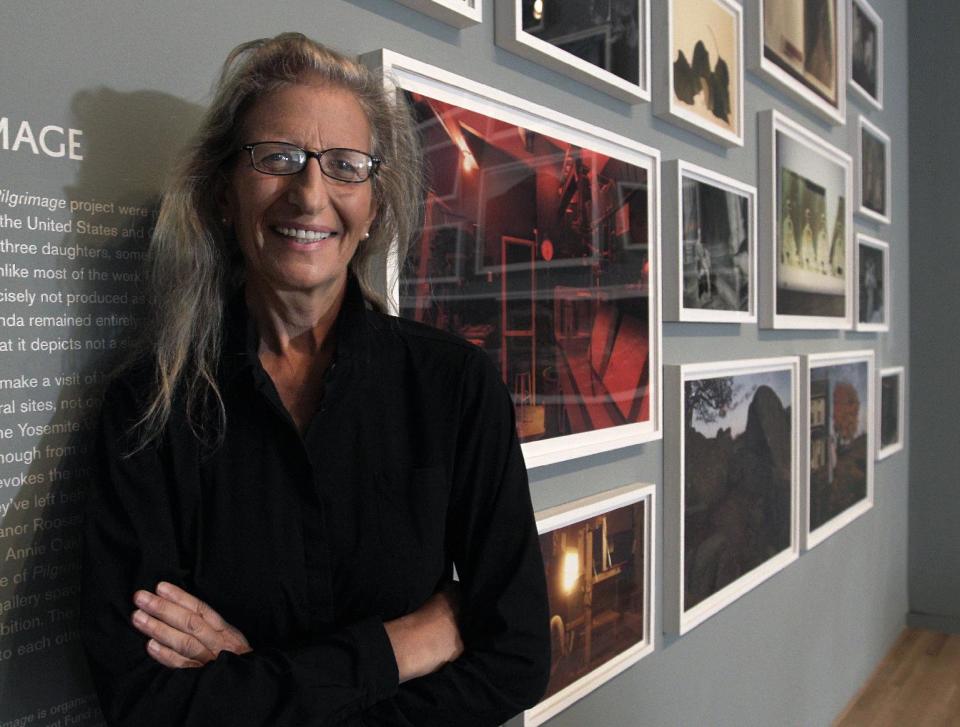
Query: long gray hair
{"points": [[193, 261]]}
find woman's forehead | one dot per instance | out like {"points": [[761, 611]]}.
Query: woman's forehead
{"points": [[308, 113]]}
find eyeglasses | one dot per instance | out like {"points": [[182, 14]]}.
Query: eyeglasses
{"points": [[281, 158]]}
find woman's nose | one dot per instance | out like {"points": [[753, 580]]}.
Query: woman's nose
{"points": [[308, 188]]}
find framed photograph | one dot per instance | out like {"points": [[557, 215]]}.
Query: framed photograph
{"points": [[805, 279], [873, 172], [866, 52], [710, 260], [700, 81], [732, 483], [602, 43], [458, 13], [800, 46], [873, 284], [598, 553], [839, 415], [541, 246], [892, 411]]}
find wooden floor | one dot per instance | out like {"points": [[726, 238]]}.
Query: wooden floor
{"points": [[916, 685]]}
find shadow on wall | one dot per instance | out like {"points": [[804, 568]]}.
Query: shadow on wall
{"points": [[130, 143]]}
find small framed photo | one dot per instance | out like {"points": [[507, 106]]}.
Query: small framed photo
{"points": [[598, 553], [806, 278], [732, 483], [873, 172], [541, 245], [866, 52], [458, 13], [710, 260], [800, 46], [605, 45], [700, 82], [840, 419], [873, 284], [892, 412]]}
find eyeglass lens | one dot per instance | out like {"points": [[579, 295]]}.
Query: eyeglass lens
{"points": [[346, 165]]}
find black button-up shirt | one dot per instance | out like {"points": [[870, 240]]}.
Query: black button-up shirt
{"points": [[308, 544]]}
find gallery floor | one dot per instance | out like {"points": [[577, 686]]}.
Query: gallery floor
{"points": [[917, 684]]}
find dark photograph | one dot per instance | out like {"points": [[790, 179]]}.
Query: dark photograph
{"points": [[737, 489], [871, 284], [889, 410], [865, 59], [839, 420], [596, 577], [873, 174], [537, 251], [605, 33], [801, 37], [716, 248]]}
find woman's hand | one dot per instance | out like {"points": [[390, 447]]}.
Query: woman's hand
{"points": [[184, 631], [428, 638]]}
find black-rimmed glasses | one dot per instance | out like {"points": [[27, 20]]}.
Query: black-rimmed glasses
{"points": [[282, 158]]}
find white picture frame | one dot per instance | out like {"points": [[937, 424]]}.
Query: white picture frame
{"points": [[676, 299], [773, 67], [825, 514], [867, 174], [402, 73], [872, 283], [590, 510], [458, 13], [679, 40], [779, 373], [511, 35], [896, 443], [859, 53], [791, 296]]}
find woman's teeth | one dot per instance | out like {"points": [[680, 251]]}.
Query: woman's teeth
{"points": [[306, 235]]}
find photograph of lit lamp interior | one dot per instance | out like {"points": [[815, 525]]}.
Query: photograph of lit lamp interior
{"points": [[595, 579], [537, 251]]}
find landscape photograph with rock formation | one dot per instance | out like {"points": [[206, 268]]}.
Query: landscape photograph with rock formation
{"points": [[738, 477]]}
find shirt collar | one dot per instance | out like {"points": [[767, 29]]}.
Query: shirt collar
{"points": [[241, 341]]}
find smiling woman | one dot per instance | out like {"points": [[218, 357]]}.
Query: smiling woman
{"points": [[287, 476]]}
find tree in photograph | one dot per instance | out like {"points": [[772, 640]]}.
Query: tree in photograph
{"points": [[846, 411], [709, 399]]}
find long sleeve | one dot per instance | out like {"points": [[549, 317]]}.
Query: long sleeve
{"points": [[136, 534], [492, 537]]}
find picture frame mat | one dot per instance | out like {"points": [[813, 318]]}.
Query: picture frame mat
{"points": [[812, 538], [453, 12], [510, 35], [664, 104], [864, 124], [772, 73], [875, 18], [408, 74], [900, 372], [676, 620], [674, 173], [884, 247], [771, 122], [577, 511]]}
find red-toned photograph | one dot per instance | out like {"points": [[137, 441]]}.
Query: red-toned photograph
{"points": [[538, 251]]}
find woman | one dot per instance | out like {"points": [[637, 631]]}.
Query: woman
{"points": [[288, 476]]}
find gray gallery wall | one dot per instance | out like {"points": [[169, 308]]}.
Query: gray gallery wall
{"points": [[132, 78], [935, 344]]}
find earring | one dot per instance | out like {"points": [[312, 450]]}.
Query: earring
{"points": [[366, 236]]}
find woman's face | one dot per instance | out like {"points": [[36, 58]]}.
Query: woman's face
{"points": [[298, 232]]}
